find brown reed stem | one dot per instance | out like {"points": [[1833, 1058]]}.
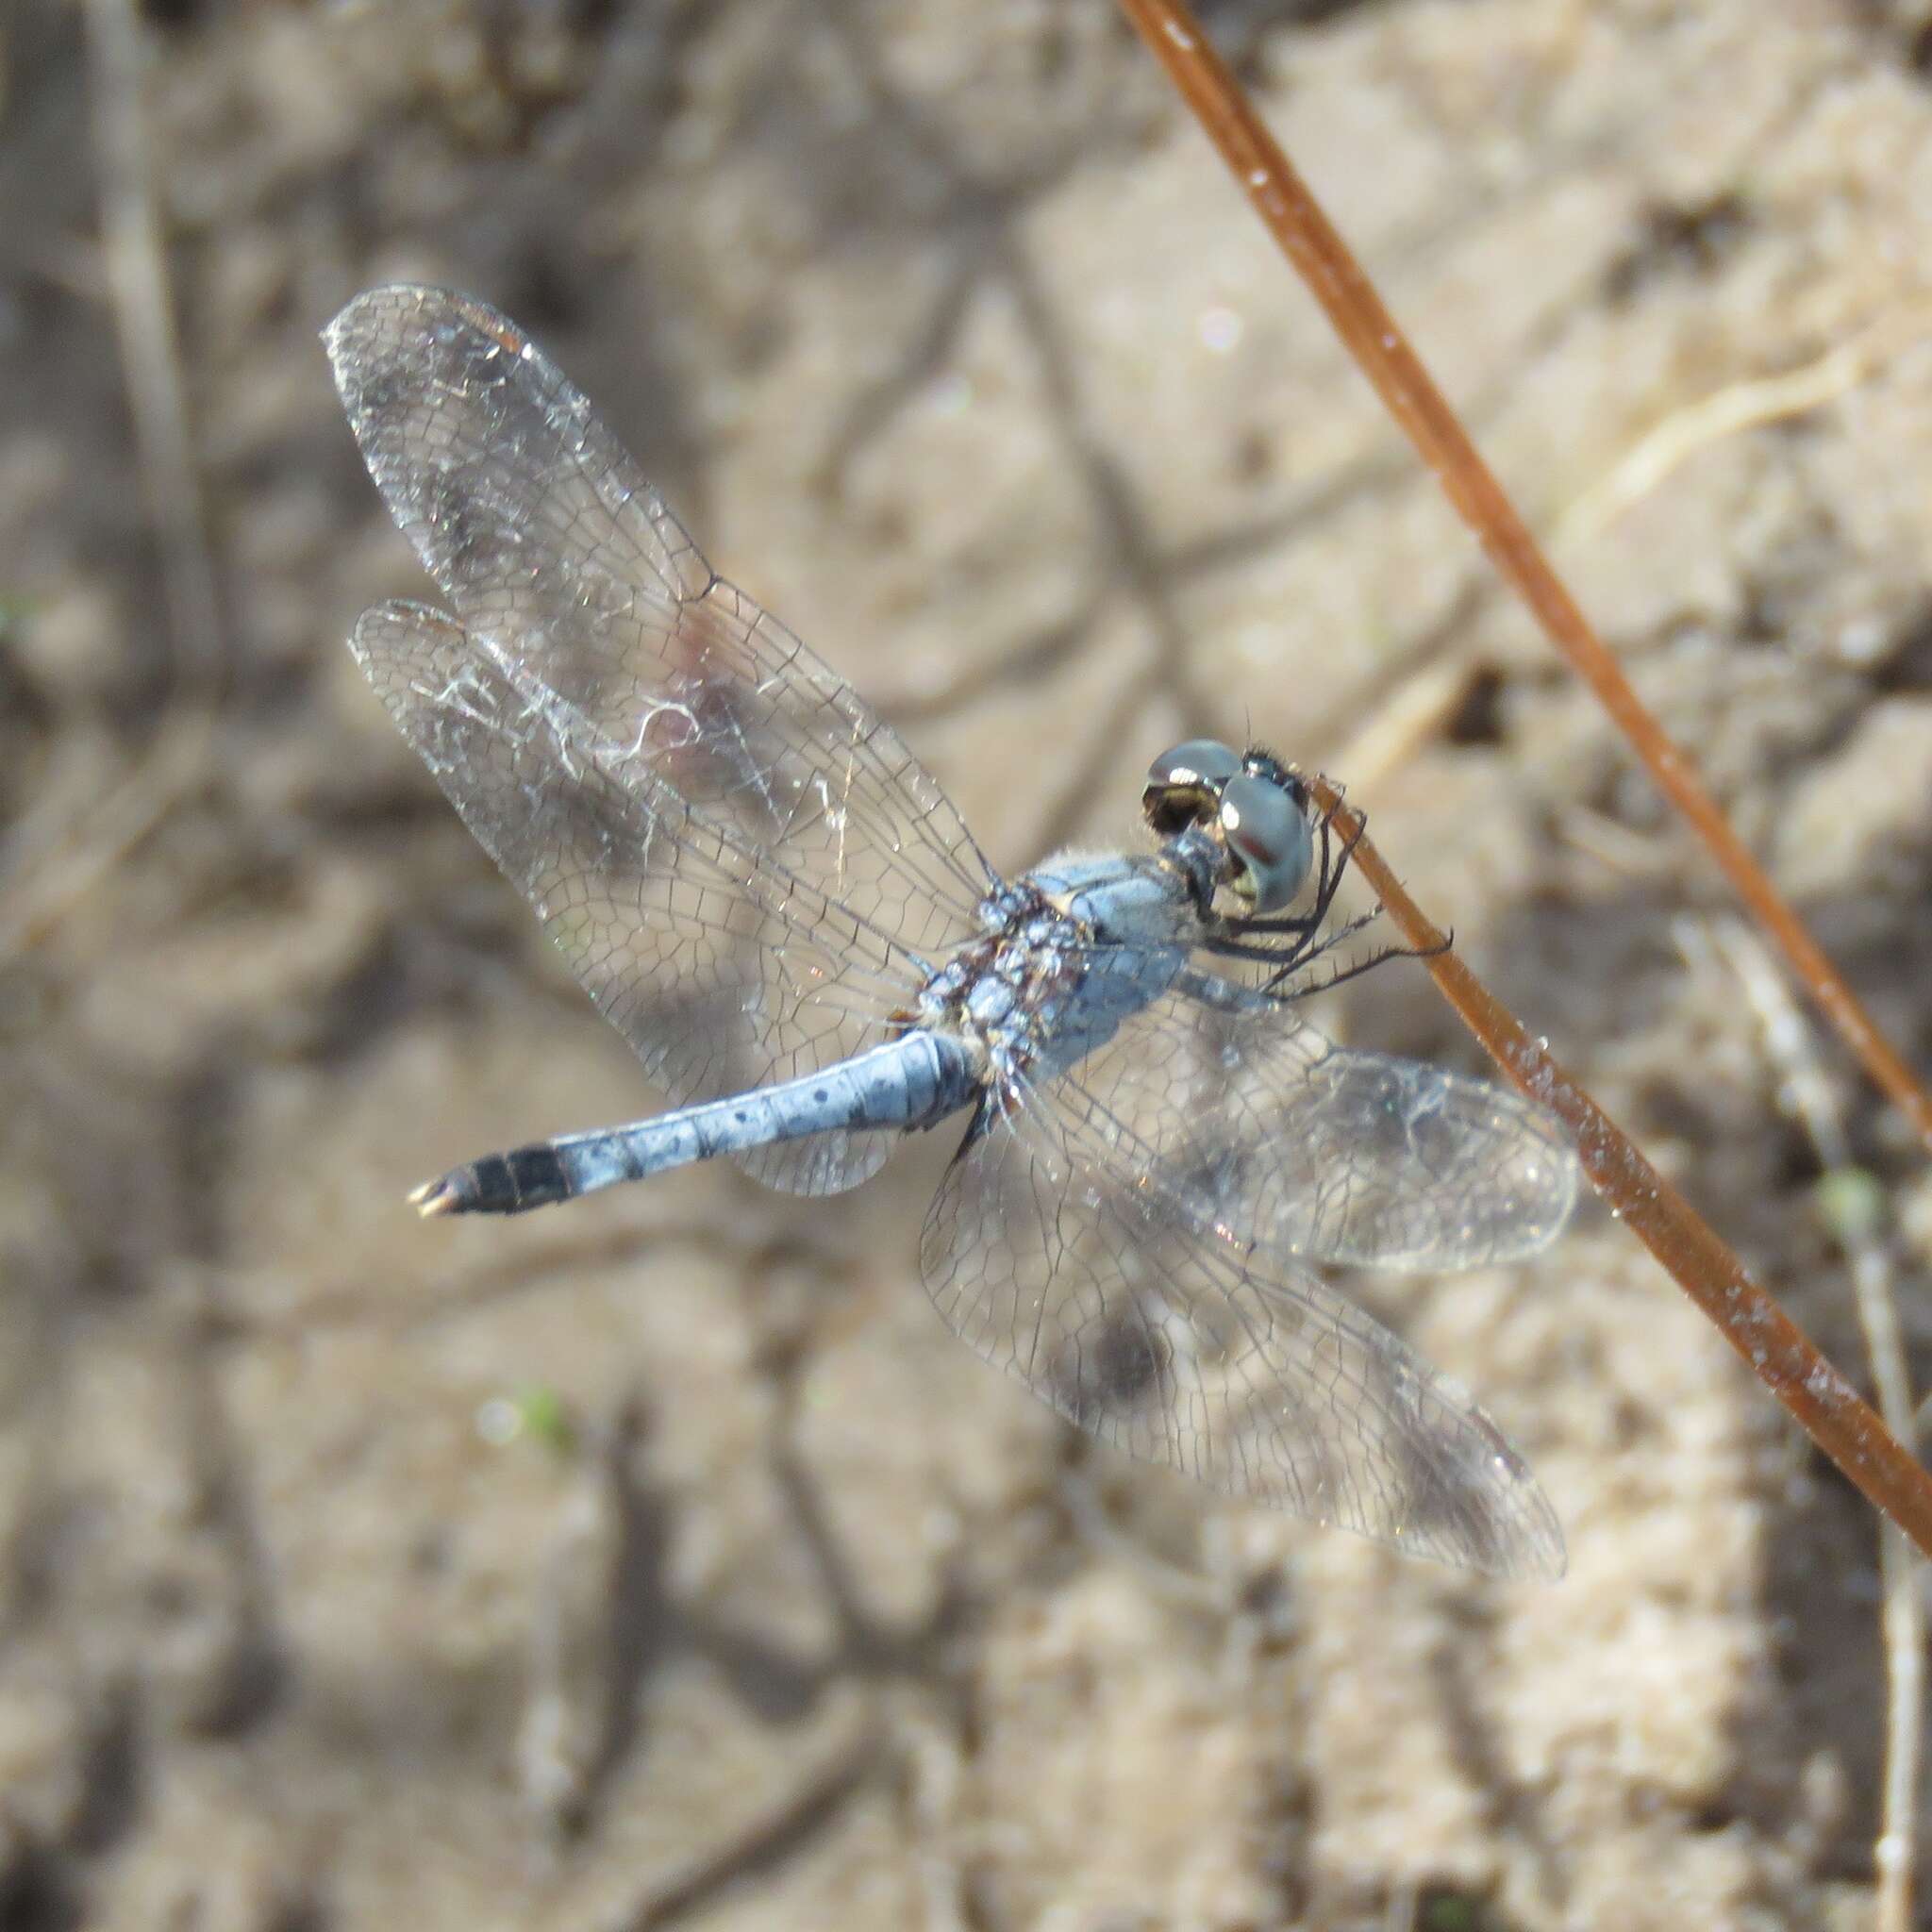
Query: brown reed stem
{"points": [[1775, 1349], [1358, 315]]}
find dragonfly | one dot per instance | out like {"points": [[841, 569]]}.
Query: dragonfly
{"points": [[1162, 1161]]}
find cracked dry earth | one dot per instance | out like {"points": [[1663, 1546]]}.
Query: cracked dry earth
{"points": [[952, 344]]}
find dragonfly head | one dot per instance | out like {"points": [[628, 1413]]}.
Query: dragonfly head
{"points": [[1252, 806]]}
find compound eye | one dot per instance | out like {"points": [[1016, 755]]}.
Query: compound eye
{"points": [[1184, 784], [1269, 843], [1201, 761]]}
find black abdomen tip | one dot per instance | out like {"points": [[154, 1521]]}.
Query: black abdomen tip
{"points": [[498, 1184]]}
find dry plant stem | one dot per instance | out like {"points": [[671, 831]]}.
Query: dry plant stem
{"points": [[1776, 1350], [51, 866], [1356, 311], [1895, 1855], [135, 259], [1739, 407]]}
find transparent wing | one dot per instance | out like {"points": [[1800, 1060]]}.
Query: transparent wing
{"points": [[744, 866], [1315, 1151], [1181, 1343], [714, 971]]}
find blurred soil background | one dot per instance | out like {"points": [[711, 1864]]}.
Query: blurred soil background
{"points": [[663, 1562]]}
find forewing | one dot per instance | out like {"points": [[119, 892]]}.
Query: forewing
{"points": [[1181, 1343], [750, 768], [1319, 1152], [715, 975]]}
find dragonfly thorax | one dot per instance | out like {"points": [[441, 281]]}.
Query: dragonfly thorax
{"points": [[1067, 954]]}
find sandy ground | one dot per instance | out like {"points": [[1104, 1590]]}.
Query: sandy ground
{"points": [[945, 331]]}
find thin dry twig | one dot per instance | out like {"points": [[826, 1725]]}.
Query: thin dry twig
{"points": [[48, 867], [1777, 1351], [774, 1833], [1751, 404], [136, 270], [1412, 714], [1358, 315], [1854, 1205]]}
